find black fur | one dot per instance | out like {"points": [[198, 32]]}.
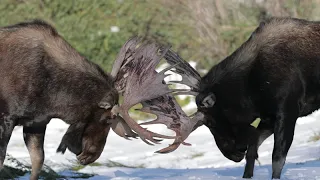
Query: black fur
{"points": [[274, 75]]}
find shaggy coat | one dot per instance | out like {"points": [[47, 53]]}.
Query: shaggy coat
{"points": [[43, 77], [274, 75]]}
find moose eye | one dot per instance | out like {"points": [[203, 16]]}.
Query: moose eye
{"points": [[208, 101]]}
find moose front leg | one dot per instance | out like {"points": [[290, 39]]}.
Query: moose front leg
{"points": [[283, 136], [6, 128], [34, 139], [252, 152]]}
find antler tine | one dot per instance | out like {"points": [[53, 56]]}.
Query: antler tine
{"points": [[119, 126], [168, 112], [190, 76], [185, 82], [173, 58], [185, 93], [122, 55], [169, 68], [182, 134], [142, 132]]}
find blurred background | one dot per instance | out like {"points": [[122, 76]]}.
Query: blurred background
{"points": [[204, 31], [201, 31]]}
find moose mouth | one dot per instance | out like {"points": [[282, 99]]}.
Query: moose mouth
{"points": [[86, 159], [90, 155], [234, 156], [230, 151]]}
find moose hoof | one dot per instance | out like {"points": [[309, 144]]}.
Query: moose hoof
{"points": [[247, 176]]}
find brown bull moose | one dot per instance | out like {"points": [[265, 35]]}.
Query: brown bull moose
{"points": [[43, 77]]}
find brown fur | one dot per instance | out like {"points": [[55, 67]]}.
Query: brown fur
{"points": [[43, 77]]}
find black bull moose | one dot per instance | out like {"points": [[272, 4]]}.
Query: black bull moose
{"points": [[272, 76]]}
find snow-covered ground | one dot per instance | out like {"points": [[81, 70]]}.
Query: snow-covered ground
{"points": [[202, 160]]}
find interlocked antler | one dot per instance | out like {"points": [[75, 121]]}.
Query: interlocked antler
{"points": [[170, 113], [190, 76], [136, 78]]}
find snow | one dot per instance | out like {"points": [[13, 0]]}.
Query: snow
{"points": [[201, 161]]}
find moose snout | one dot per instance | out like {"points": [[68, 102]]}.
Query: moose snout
{"points": [[90, 155], [86, 159]]}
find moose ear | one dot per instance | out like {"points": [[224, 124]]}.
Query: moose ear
{"points": [[105, 105], [109, 100], [206, 101]]}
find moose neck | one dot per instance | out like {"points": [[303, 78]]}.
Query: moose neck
{"points": [[75, 92]]}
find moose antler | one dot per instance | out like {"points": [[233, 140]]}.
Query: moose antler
{"points": [[136, 78], [170, 113], [190, 76]]}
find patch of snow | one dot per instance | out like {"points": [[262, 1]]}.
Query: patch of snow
{"points": [[202, 160]]}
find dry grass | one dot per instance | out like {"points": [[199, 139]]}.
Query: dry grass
{"points": [[221, 26], [315, 137]]}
